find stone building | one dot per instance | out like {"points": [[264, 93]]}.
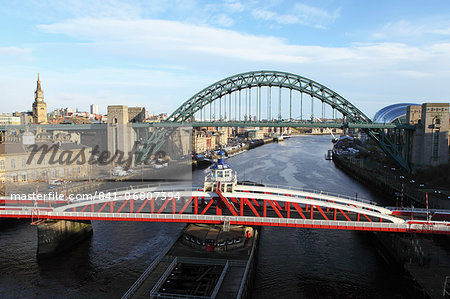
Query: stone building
{"points": [[413, 114], [6, 120], [120, 135], [27, 163], [39, 106], [430, 141]]}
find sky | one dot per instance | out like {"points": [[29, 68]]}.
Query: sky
{"points": [[159, 53]]}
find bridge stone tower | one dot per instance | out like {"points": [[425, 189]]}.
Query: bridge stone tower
{"points": [[221, 175], [430, 146], [120, 134], [39, 106]]}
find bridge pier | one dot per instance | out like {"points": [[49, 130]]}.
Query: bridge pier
{"points": [[55, 236]]}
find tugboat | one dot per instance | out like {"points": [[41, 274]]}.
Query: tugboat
{"points": [[221, 176]]}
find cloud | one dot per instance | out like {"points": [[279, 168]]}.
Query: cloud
{"points": [[301, 14], [234, 6], [187, 43], [161, 63], [14, 55], [223, 20], [165, 39], [15, 51], [417, 31], [316, 16]]}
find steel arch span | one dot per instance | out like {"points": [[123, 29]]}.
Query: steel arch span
{"points": [[270, 79], [248, 80]]}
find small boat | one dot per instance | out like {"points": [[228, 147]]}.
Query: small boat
{"points": [[329, 155]]}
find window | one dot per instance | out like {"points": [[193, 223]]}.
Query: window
{"points": [[438, 121], [24, 164], [14, 178], [435, 145], [24, 177], [2, 164], [13, 163]]}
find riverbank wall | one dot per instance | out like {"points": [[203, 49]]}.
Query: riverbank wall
{"points": [[55, 236], [421, 261], [250, 146], [381, 183]]}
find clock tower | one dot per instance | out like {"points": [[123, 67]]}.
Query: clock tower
{"points": [[39, 106]]}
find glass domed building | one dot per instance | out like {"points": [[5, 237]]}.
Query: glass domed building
{"points": [[395, 113]]}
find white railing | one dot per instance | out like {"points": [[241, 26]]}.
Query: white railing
{"points": [[247, 267], [319, 192], [130, 292], [446, 291], [157, 286], [220, 280], [438, 226]]}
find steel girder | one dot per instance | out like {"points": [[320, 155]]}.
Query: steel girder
{"points": [[294, 82], [152, 145], [267, 78], [388, 147]]}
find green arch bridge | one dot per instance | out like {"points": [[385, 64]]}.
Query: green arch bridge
{"points": [[279, 99]]}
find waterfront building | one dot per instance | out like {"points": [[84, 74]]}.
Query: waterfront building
{"points": [[26, 162], [198, 142], [413, 114], [203, 141], [120, 134], [254, 134], [156, 117], [396, 113], [429, 145], [39, 106], [7, 119], [430, 141]]}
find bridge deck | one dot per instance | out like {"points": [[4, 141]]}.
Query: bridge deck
{"points": [[246, 205]]}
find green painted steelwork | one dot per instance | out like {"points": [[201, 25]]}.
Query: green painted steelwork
{"points": [[270, 79], [248, 124], [241, 124]]}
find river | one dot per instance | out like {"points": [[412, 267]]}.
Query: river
{"points": [[292, 263]]}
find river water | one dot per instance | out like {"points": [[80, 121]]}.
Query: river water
{"points": [[292, 263]]}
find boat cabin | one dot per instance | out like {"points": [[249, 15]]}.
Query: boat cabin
{"points": [[220, 175]]}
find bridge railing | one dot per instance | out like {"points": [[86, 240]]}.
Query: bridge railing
{"points": [[136, 187], [319, 192], [421, 210], [417, 225], [194, 187]]}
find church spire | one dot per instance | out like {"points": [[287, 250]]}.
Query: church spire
{"points": [[38, 84], [39, 106]]}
